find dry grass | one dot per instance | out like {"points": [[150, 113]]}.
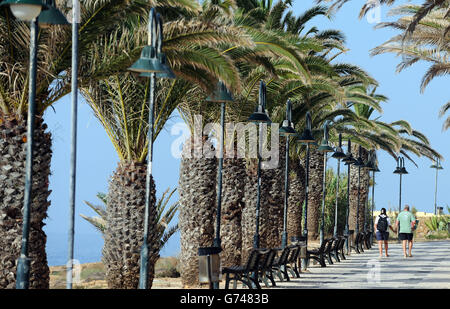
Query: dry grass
{"points": [[92, 276]]}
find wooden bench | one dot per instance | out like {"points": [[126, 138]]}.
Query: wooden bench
{"points": [[280, 264], [265, 267], [247, 274], [317, 254], [292, 263], [328, 249], [342, 247], [357, 245], [334, 252], [368, 240]]}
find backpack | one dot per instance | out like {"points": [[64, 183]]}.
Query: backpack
{"points": [[382, 224]]}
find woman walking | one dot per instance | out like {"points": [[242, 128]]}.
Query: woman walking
{"points": [[382, 226]]}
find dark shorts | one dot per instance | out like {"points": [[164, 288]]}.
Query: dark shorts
{"points": [[382, 235], [405, 236]]}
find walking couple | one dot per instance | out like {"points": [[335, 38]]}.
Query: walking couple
{"points": [[405, 224]]}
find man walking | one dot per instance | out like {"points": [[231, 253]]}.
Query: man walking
{"points": [[405, 222]]}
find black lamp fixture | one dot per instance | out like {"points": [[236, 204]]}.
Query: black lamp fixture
{"points": [[28, 11], [324, 148], [220, 95], [51, 16], [438, 167], [260, 117], [400, 170], [149, 62], [307, 138], [287, 130], [166, 70], [339, 155]]}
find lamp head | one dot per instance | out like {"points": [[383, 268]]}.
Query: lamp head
{"points": [[52, 16], [220, 94], [260, 115], [287, 129], [148, 62], [25, 10], [306, 137]]}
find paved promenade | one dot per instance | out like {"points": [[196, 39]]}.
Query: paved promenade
{"points": [[429, 268]]}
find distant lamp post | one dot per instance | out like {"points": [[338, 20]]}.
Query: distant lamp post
{"points": [[374, 169], [348, 160], [400, 170], [307, 138], [287, 130], [28, 10], [339, 155], [438, 167], [260, 117], [325, 149], [149, 62]]}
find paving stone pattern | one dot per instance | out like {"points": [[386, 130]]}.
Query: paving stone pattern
{"points": [[429, 268]]}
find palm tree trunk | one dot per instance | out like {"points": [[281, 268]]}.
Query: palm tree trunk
{"points": [[315, 193], [296, 198], [12, 184], [233, 188], [125, 226], [271, 206], [197, 190], [354, 191]]}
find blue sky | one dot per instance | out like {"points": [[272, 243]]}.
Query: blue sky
{"points": [[97, 159]]}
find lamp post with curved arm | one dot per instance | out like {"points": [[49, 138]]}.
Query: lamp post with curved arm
{"points": [[29, 11], [438, 167], [287, 130], [260, 117], [325, 148], [306, 138], [339, 155], [149, 65], [349, 160]]}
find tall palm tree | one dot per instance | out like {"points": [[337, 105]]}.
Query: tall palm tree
{"points": [[53, 82], [165, 215], [430, 42]]}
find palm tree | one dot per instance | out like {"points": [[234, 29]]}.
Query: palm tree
{"points": [[53, 82], [430, 42], [422, 11], [165, 215]]}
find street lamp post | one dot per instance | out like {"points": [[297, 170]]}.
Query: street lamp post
{"points": [[374, 170], [149, 65], [73, 150], [400, 170], [338, 154], [29, 11], [287, 130], [308, 139], [359, 163], [260, 117], [325, 148], [349, 160], [220, 95], [438, 167]]}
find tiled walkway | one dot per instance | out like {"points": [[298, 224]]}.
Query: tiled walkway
{"points": [[429, 268]]}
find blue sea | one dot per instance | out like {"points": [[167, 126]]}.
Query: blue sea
{"points": [[88, 248]]}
